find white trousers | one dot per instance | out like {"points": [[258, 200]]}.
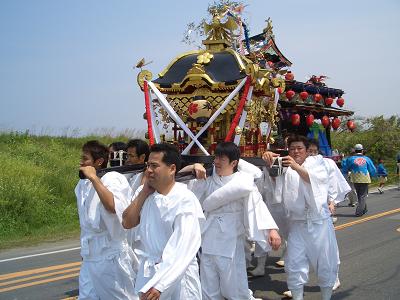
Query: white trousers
{"points": [[311, 244], [223, 277], [110, 278]]}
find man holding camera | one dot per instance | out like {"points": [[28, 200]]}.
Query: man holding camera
{"points": [[311, 237]]}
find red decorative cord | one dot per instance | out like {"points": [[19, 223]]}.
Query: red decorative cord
{"points": [[148, 114], [239, 110]]}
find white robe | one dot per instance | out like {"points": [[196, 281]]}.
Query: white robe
{"points": [[311, 234], [338, 186], [135, 181], [106, 270], [234, 209], [169, 236]]}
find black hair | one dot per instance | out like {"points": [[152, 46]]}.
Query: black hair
{"points": [[279, 144], [229, 149], [171, 154], [118, 146], [298, 138], [313, 142], [140, 146], [97, 150]]}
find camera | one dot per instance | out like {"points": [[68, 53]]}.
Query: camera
{"points": [[276, 168]]}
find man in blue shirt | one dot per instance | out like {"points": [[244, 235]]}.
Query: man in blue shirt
{"points": [[361, 170]]}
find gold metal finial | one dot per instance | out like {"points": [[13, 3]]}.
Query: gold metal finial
{"points": [[220, 31]]}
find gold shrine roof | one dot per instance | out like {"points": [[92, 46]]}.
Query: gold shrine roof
{"points": [[220, 70]]}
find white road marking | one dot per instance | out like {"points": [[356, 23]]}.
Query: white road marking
{"points": [[40, 254]]}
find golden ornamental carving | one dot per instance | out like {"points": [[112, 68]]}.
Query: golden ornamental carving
{"points": [[142, 76], [272, 114], [196, 69], [257, 111], [268, 29], [204, 58], [238, 130], [220, 31]]}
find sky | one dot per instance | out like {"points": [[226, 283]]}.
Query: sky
{"points": [[67, 66]]}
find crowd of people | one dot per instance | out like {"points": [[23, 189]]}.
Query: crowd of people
{"points": [[145, 236]]}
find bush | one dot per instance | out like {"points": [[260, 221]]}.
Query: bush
{"points": [[39, 174]]}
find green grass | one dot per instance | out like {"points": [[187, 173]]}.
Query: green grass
{"points": [[37, 180]]}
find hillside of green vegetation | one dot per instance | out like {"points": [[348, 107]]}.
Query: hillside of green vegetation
{"points": [[37, 182]]}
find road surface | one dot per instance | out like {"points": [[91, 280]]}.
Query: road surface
{"points": [[369, 252]]}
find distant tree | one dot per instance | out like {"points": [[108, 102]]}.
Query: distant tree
{"points": [[379, 135]]}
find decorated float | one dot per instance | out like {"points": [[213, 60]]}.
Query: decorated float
{"points": [[237, 88]]}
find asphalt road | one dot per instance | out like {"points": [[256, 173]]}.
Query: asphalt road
{"points": [[369, 252]]}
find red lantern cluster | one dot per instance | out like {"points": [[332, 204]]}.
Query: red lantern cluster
{"points": [[295, 118], [351, 125], [340, 102], [328, 101], [335, 123], [317, 97], [310, 120], [303, 95], [289, 76], [325, 121], [290, 94]]}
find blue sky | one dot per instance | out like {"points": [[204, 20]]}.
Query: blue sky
{"points": [[69, 64]]}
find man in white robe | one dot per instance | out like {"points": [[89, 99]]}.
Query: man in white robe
{"points": [[338, 188], [311, 237], [106, 270], [234, 209], [272, 197], [167, 219], [137, 154]]}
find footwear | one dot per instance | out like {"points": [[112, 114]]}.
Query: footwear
{"points": [[336, 285], [260, 269], [297, 294], [380, 191], [257, 272], [326, 293], [280, 263], [287, 294], [352, 204]]}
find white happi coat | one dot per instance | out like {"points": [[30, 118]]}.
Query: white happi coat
{"points": [[106, 271], [338, 185], [272, 196], [169, 237], [135, 181], [233, 208], [311, 234]]}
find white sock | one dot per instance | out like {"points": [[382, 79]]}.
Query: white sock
{"points": [[297, 294], [326, 293]]}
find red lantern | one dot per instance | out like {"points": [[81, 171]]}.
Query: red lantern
{"points": [[310, 120], [325, 121], [351, 125], [317, 97], [290, 94], [335, 123], [328, 101], [295, 119], [303, 95], [340, 102], [289, 76]]}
